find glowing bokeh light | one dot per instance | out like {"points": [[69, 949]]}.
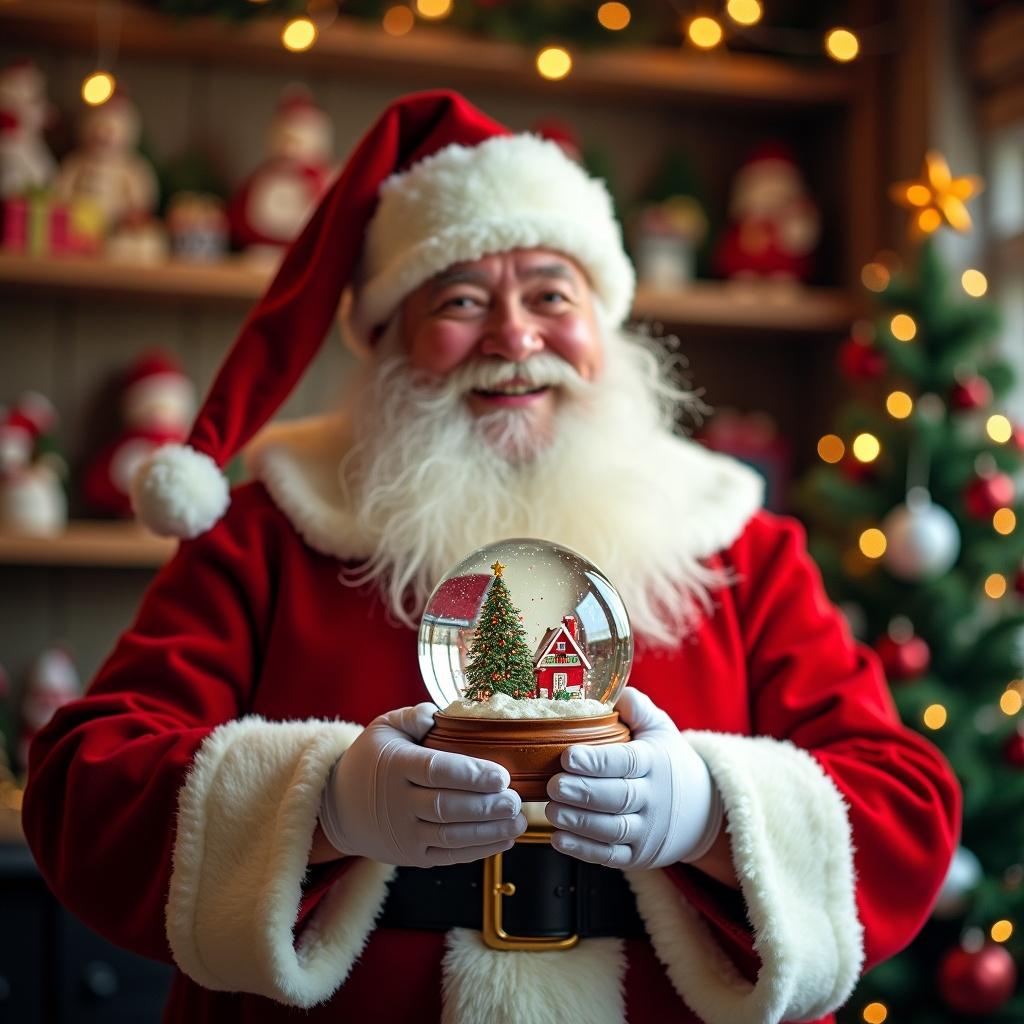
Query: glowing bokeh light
{"points": [[554, 62]]}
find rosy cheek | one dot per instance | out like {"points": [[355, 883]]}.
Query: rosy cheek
{"points": [[575, 339], [440, 347]]}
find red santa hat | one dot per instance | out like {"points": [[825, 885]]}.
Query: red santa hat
{"points": [[434, 182], [297, 101], [153, 365], [156, 374]]}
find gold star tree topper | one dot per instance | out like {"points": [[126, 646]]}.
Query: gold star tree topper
{"points": [[937, 197], [498, 568]]}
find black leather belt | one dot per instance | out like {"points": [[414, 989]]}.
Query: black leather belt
{"points": [[540, 895]]}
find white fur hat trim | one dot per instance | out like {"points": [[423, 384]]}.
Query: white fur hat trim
{"points": [[463, 202], [179, 492]]}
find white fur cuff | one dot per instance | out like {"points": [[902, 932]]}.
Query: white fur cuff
{"points": [[793, 854], [246, 817]]}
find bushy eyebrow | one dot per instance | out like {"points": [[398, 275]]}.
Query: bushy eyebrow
{"points": [[559, 270], [464, 275], [457, 276]]}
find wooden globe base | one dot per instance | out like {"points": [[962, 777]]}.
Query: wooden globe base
{"points": [[531, 749]]}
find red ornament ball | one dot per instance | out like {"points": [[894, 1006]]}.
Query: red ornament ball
{"points": [[1017, 437], [857, 471], [973, 393], [986, 494], [1014, 750], [979, 982], [860, 360], [903, 659]]}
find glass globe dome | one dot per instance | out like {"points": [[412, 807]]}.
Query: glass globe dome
{"points": [[525, 628]]}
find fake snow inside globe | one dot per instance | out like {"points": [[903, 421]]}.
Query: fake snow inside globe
{"points": [[525, 646]]}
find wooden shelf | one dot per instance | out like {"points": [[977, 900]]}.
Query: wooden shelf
{"points": [[750, 306], [434, 56], [719, 304], [89, 543], [229, 281]]}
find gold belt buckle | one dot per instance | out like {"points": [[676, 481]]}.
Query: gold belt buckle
{"points": [[495, 890]]}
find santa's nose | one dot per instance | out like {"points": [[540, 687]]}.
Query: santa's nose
{"points": [[510, 334]]}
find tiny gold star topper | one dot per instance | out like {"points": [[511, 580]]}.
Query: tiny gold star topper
{"points": [[937, 197], [497, 568]]}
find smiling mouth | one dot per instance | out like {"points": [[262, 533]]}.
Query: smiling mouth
{"points": [[510, 390], [512, 387]]}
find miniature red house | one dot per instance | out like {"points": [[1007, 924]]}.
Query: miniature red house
{"points": [[560, 664]]}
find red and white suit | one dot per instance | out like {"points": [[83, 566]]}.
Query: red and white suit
{"points": [[173, 807]]}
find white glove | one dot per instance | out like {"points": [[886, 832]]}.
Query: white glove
{"points": [[389, 799], [642, 804]]}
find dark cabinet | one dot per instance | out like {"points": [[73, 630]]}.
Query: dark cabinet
{"points": [[55, 969]]}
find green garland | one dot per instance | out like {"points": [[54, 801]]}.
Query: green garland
{"points": [[528, 22]]}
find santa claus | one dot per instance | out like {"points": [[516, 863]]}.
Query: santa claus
{"points": [[271, 823]]}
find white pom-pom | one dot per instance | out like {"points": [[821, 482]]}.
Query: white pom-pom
{"points": [[179, 492]]}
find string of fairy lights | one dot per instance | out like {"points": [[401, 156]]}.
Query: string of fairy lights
{"points": [[702, 31]]}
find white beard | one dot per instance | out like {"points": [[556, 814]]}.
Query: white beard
{"points": [[429, 482]]}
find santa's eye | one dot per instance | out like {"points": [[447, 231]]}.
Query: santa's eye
{"points": [[460, 302], [552, 297]]}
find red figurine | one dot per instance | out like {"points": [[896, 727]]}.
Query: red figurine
{"points": [[157, 405], [774, 224], [274, 202]]}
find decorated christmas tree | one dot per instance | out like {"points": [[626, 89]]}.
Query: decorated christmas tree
{"points": [[914, 516], [500, 657]]}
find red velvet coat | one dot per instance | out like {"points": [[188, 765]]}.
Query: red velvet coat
{"points": [[172, 807]]}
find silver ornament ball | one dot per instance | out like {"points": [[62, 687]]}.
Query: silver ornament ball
{"points": [[964, 874], [922, 539]]}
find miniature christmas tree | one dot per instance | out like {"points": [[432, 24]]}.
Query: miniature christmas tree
{"points": [[916, 526], [500, 657]]}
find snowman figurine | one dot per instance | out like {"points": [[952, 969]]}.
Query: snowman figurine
{"points": [[275, 201], [26, 163], [158, 402], [32, 498], [774, 226]]}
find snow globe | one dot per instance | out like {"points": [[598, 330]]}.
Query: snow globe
{"points": [[525, 646]]}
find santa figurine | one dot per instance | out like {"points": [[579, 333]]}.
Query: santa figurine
{"points": [[107, 169], [53, 682], [25, 160], [157, 405], [32, 498], [275, 201], [774, 225]]}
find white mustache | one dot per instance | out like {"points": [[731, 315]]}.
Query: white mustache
{"points": [[541, 370]]}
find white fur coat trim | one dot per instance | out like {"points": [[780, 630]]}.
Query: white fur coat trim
{"points": [[793, 851], [493, 986], [711, 496], [246, 816]]}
